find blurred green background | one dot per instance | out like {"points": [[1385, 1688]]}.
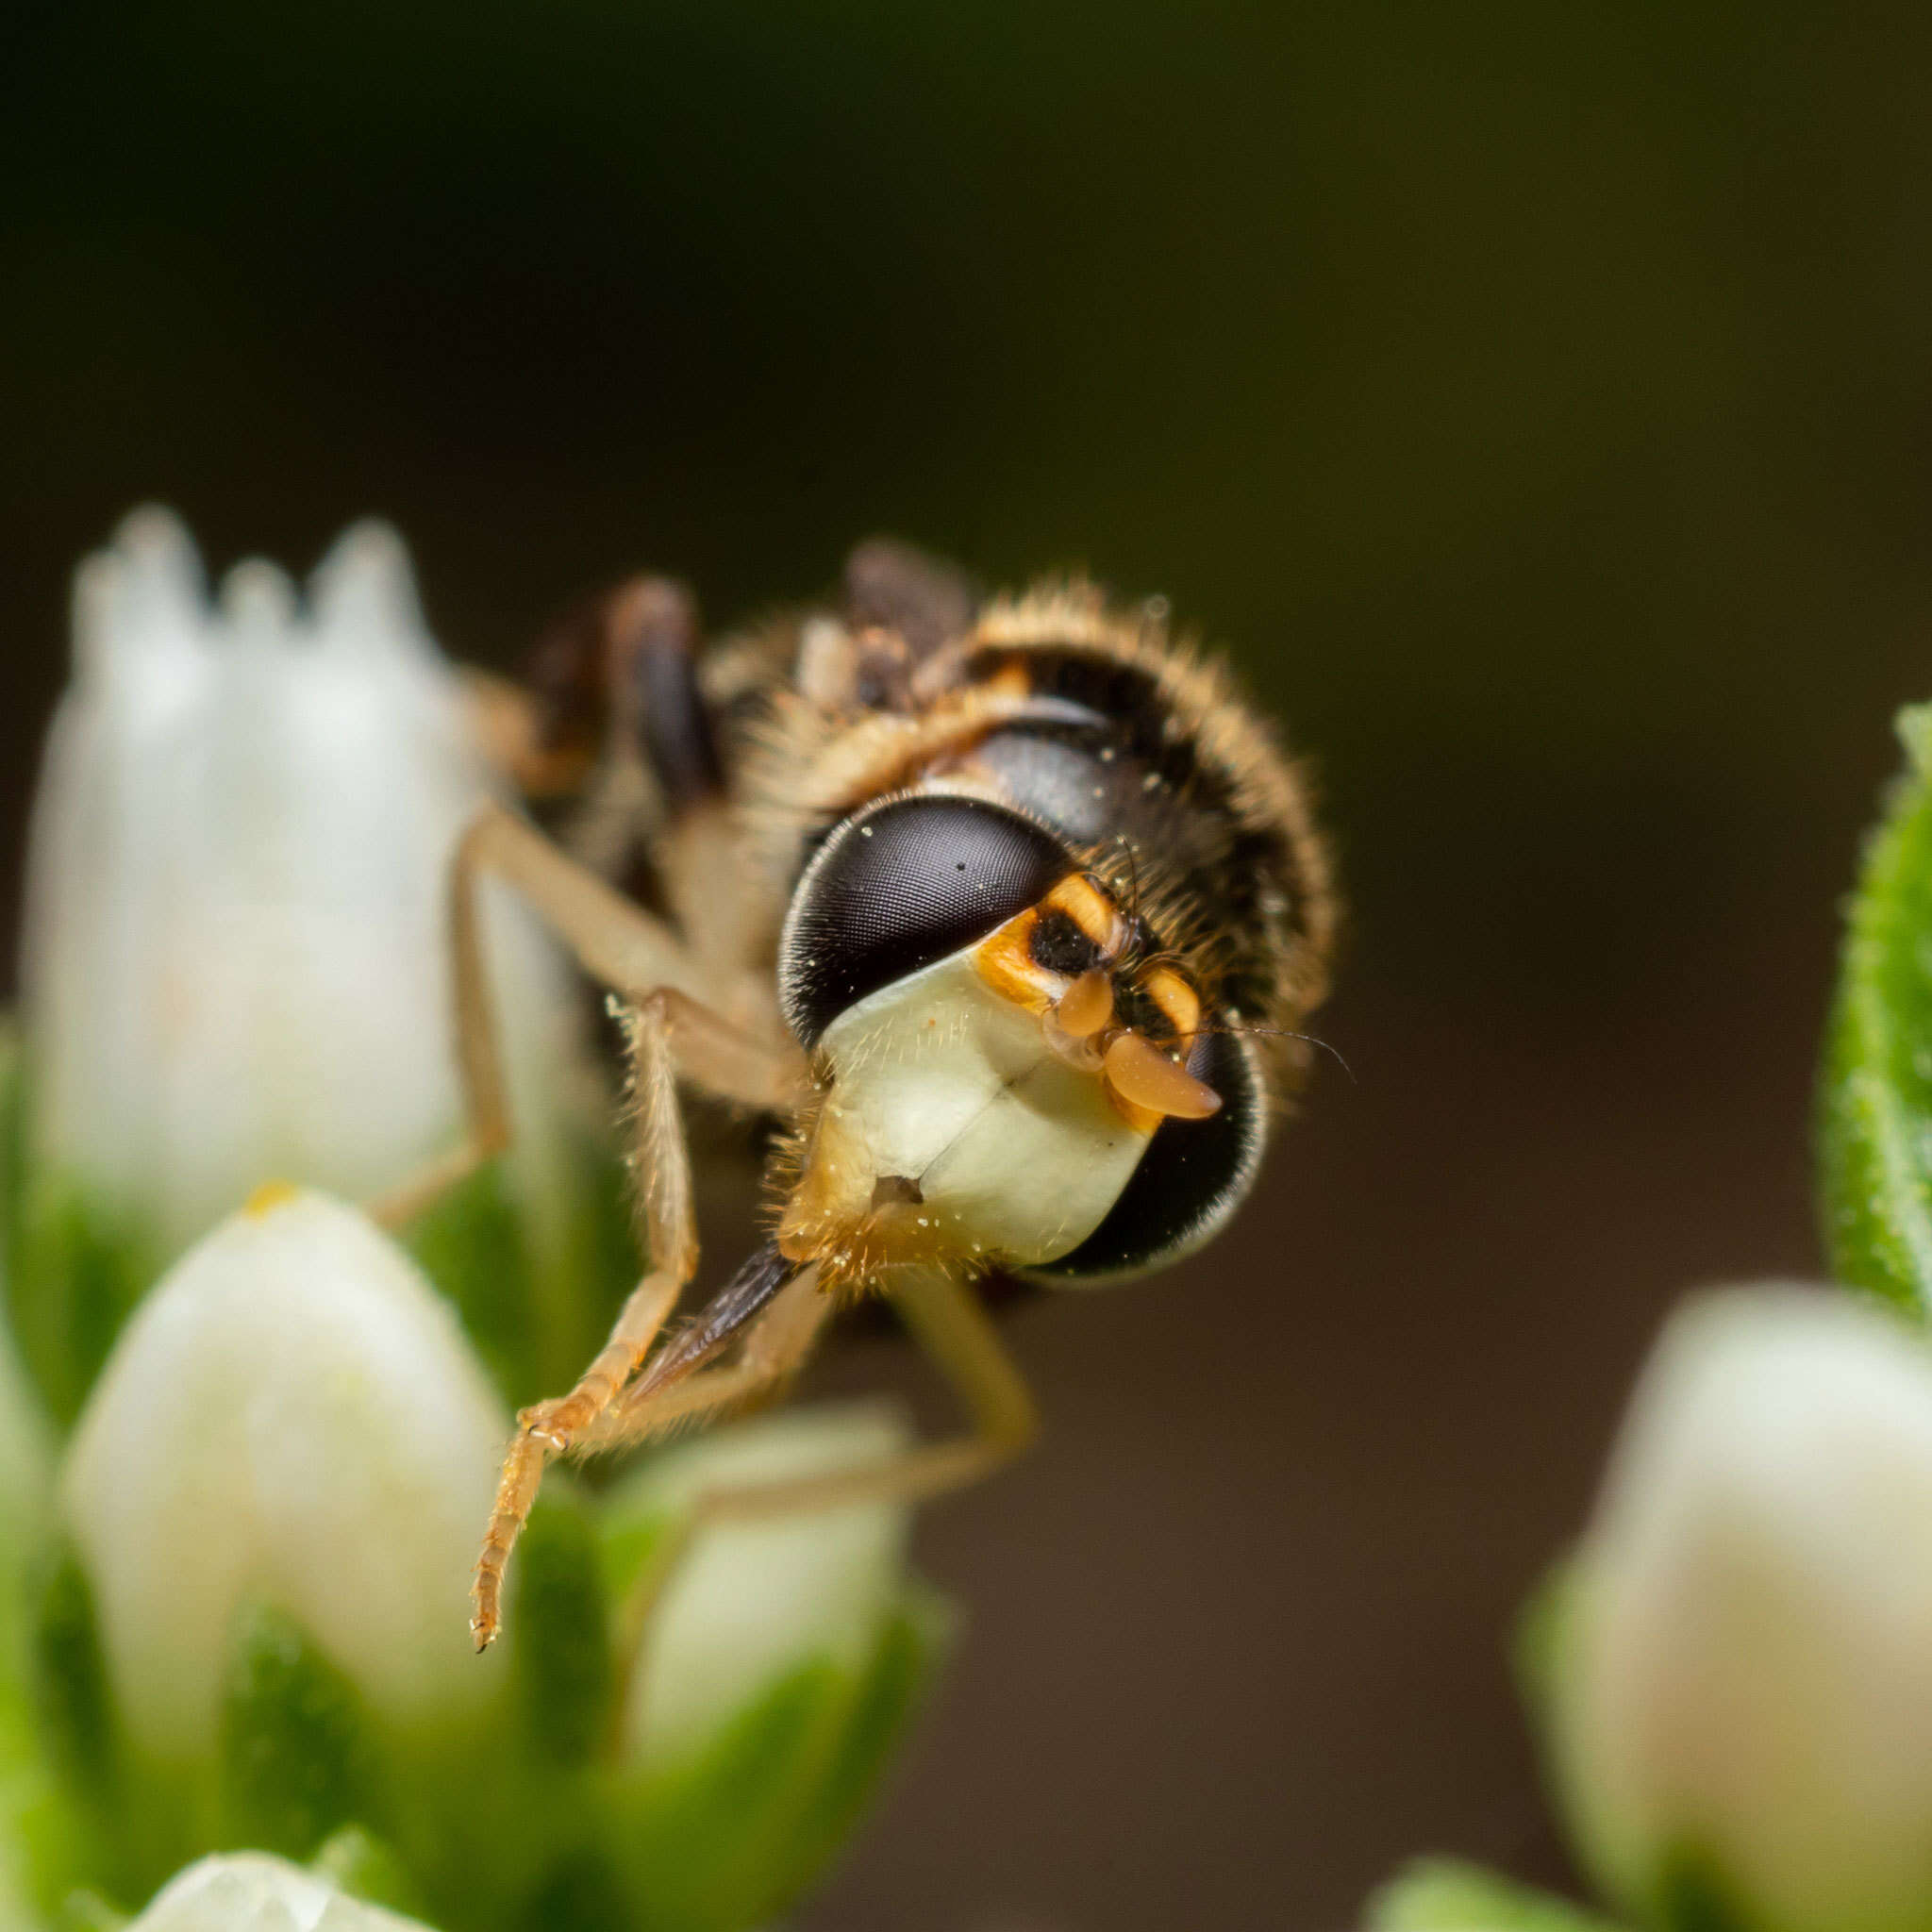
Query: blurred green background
{"points": [[1540, 405]]}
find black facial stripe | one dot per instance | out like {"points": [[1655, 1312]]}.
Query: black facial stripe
{"points": [[1135, 1006], [1147, 784], [900, 885], [1190, 1176], [1058, 945]]}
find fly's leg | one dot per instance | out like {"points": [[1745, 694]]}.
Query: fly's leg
{"points": [[665, 1031], [669, 1028], [616, 698], [551, 1428], [695, 845], [616, 942], [594, 1418], [774, 1346], [951, 1324]]}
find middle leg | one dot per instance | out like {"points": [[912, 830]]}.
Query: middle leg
{"points": [[951, 1324]]}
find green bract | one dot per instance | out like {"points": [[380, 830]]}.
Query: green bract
{"points": [[1875, 1126]]}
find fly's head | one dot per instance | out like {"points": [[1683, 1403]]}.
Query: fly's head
{"points": [[1010, 1076]]}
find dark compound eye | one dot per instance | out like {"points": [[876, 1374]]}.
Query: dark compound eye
{"points": [[1191, 1179], [900, 885]]}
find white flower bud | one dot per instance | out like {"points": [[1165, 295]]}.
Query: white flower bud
{"points": [[234, 963], [752, 1601], [250, 1891], [292, 1417], [776, 1673], [1741, 1676]]}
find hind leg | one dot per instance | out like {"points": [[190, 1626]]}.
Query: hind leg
{"points": [[951, 1324]]}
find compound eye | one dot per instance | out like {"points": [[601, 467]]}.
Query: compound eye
{"points": [[900, 885], [1193, 1176]]}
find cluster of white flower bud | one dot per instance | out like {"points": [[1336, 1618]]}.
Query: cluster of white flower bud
{"points": [[233, 959], [254, 1548]]}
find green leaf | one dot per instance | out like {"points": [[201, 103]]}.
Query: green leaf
{"points": [[70, 1682], [537, 1290], [599, 1259], [1876, 1099], [12, 1136], [562, 1661], [578, 1892], [630, 1534], [296, 1761], [27, 1449], [76, 1270], [62, 1779], [1545, 1628], [1694, 1895], [1444, 1895], [471, 1243], [43, 1847]]}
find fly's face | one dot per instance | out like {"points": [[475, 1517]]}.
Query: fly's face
{"points": [[1008, 1078]]}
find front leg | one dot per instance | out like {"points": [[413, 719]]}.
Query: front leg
{"points": [[550, 1428], [662, 996], [951, 1324]]}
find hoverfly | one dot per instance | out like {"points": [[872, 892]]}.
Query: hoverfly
{"points": [[1005, 912]]}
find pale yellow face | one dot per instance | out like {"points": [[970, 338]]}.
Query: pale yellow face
{"points": [[952, 1128], [982, 1111]]}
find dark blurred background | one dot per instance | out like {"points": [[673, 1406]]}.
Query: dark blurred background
{"points": [[1540, 405]]}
